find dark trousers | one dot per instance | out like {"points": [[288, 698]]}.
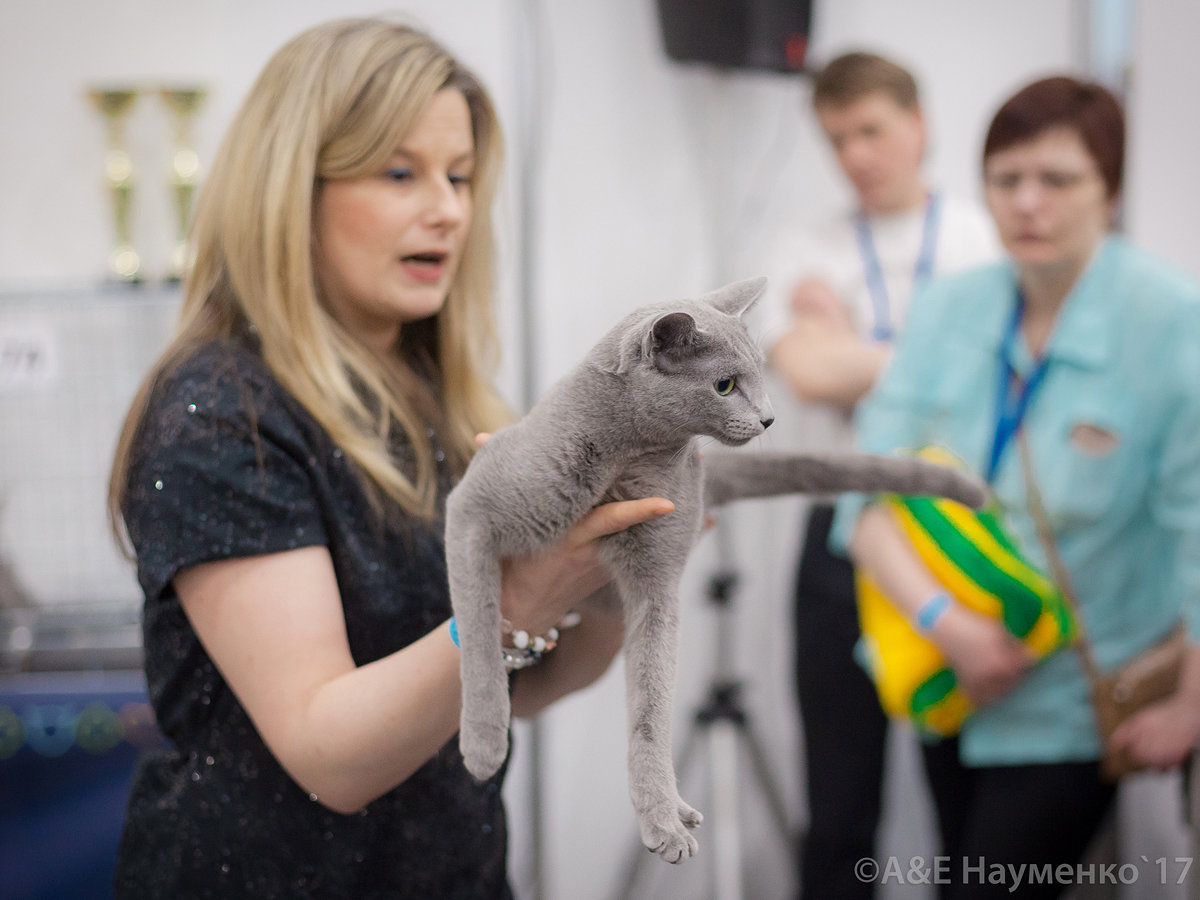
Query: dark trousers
{"points": [[1036, 815], [845, 731]]}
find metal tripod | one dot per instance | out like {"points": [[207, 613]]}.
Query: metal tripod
{"points": [[723, 726]]}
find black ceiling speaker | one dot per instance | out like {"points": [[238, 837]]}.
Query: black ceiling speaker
{"points": [[740, 34]]}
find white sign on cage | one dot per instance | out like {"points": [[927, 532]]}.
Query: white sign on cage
{"points": [[28, 358]]}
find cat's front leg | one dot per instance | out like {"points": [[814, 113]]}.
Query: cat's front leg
{"points": [[474, 573], [649, 585]]}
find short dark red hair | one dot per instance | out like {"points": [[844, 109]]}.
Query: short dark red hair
{"points": [[1087, 108]]}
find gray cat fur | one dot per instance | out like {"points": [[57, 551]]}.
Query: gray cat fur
{"points": [[626, 424]]}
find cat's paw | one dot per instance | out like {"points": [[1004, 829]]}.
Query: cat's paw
{"points": [[484, 748], [691, 818], [664, 832]]}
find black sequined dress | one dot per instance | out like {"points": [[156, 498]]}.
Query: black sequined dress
{"points": [[230, 465]]}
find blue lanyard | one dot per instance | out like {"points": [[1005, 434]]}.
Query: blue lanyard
{"points": [[883, 330], [1013, 395]]}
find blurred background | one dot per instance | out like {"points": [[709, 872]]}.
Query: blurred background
{"points": [[631, 177]]}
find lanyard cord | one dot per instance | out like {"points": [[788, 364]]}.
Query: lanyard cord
{"points": [[883, 329], [1013, 393]]}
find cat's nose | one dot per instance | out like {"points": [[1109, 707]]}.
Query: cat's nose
{"points": [[766, 423]]}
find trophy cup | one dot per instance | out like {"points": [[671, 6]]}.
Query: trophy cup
{"points": [[114, 104], [185, 170]]}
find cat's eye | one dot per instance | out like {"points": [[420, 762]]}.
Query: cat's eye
{"points": [[724, 386]]}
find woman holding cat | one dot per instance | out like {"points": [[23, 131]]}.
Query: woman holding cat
{"points": [[1092, 348], [281, 477]]}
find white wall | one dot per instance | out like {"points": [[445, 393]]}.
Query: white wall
{"points": [[654, 180], [1164, 138]]}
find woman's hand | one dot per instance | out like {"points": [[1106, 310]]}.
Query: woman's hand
{"points": [[538, 590], [1163, 735], [988, 660]]}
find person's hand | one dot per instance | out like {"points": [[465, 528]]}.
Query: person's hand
{"points": [[538, 590], [988, 660], [815, 298], [1162, 735]]}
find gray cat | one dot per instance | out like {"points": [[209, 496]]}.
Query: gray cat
{"points": [[625, 424]]}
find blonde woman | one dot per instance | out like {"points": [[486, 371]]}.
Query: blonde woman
{"points": [[280, 479]]}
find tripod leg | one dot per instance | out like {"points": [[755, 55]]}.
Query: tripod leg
{"points": [[769, 788], [726, 834]]}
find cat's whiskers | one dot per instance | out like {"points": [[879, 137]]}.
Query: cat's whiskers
{"points": [[685, 448]]}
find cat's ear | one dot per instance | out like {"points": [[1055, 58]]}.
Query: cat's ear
{"points": [[734, 299], [672, 338]]}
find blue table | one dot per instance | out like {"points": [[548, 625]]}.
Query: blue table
{"points": [[69, 742]]}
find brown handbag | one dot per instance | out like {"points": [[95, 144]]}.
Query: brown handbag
{"points": [[1149, 677]]}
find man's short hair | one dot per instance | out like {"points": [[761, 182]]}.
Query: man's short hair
{"points": [[852, 76]]}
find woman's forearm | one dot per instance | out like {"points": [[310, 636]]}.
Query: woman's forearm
{"points": [[882, 551], [275, 627], [371, 728]]}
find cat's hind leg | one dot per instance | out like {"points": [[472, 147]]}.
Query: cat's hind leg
{"points": [[649, 585], [474, 573]]}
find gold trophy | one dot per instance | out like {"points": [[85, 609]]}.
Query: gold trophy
{"points": [[185, 169], [114, 104]]}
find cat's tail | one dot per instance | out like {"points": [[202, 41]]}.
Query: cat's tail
{"points": [[741, 476]]}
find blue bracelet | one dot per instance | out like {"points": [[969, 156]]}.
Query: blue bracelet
{"points": [[932, 610], [454, 632]]}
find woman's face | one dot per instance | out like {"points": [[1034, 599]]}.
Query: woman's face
{"points": [[1049, 201], [388, 244]]}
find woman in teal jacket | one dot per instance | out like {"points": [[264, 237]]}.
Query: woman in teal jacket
{"points": [[1092, 348]]}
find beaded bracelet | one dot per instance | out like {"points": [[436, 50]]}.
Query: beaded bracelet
{"points": [[526, 649]]}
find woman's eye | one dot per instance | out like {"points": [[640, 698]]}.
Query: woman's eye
{"points": [[724, 386], [460, 180], [399, 174]]}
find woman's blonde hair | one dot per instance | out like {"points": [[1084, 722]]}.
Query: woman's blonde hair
{"points": [[335, 102]]}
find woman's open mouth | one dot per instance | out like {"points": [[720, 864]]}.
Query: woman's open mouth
{"points": [[427, 266]]}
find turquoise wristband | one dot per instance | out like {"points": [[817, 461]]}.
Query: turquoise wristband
{"points": [[932, 610], [454, 632]]}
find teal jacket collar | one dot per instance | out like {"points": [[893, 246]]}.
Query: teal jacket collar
{"points": [[1083, 335]]}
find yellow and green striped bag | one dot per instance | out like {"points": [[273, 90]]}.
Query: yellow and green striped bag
{"points": [[973, 557]]}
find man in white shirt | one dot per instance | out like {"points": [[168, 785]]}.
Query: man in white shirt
{"points": [[838, 295]]}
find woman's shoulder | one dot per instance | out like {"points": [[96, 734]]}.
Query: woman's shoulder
{"points": [[1151, 278], [223, 387], [225, 379], [215, 367], [993, 275], [965, 294]]}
